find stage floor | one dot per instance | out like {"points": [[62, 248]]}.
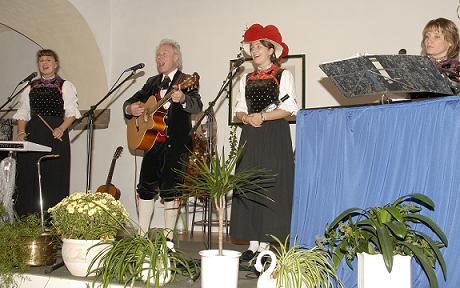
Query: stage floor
{"points": [[61, 277]]}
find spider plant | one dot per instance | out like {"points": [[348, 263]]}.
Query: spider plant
{"points": [[149, 257], [388, 230], [299, 266]]}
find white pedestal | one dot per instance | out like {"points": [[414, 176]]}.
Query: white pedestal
{"points": [[372, 272]]}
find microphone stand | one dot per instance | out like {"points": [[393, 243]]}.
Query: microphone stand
{"points": [[209, 113], [89, 140], [13, 96]]}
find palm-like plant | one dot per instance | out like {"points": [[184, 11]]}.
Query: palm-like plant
{"points": [[388, 230], [216, 179]]}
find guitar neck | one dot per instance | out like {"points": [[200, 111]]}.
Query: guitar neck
{"points": [[112, 167], [162, 101]]}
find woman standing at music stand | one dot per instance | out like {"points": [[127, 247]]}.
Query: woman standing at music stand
{"points": [[47, 107]]}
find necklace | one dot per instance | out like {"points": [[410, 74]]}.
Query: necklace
{"points": [[439, 60], [265, 67]]}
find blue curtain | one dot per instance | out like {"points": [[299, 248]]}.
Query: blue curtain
{"points": [[370, 155]]}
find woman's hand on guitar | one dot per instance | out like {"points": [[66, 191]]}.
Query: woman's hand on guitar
{"points": [[136, 108]]}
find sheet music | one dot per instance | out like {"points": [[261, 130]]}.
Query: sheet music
{"points": [[380, 74]]}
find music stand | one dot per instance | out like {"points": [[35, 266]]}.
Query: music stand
{"points": [[101, 120], [378, 74]]}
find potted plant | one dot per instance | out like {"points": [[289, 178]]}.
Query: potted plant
{"points": [[214, 181], [151, 258], [83, 220], [393, 229], [296, 266], [14, 239]]}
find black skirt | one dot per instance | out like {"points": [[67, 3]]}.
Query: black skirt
{"points": [[55, 172], [268, 147]]}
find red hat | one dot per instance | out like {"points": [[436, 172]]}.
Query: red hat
{"points": [[269, 33]]}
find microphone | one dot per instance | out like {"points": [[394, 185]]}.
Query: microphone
{"points": [[402, 51], [135, 67], [238, 62], [28, 78]]}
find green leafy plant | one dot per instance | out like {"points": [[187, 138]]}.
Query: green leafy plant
{"points": [[139, 256], [233, 141], [88, 216], [216, 179], [388, 230], [13, 252], [297, 265]]}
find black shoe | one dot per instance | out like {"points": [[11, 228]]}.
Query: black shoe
{"points": [[247, 255]]}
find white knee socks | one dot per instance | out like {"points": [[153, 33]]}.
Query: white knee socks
{"points": [[253, 246], [146, 208], [263, 246], [171, 209]]}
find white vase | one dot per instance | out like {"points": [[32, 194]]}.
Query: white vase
{"points": [[219, 271], [372, 272], [164, 277], [78, 254]]}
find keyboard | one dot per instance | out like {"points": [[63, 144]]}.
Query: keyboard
{"points": [[23, 146]]}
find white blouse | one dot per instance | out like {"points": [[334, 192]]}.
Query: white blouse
{"points": [[286, 87], [69, 94]]}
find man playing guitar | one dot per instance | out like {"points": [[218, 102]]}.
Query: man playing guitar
{"points": [[171, 146]]}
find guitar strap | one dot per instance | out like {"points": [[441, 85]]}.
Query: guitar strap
{"points": [[161, 137], [180, 78]]}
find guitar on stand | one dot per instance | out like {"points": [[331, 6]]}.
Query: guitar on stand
{"points": [[109, 187], [143, 130]]}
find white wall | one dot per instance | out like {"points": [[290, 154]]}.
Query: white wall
{"points": [[209, 31], [17, 55], [98, 16]]}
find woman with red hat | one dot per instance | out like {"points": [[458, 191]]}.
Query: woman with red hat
{"points": [[267, 140]]}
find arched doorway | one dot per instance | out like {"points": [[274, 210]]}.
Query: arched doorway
{"points": [[57, 24]]}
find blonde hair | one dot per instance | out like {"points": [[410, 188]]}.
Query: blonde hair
{"points": [[176, 49], [448, 29]]}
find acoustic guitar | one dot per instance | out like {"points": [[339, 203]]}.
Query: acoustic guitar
{"points": [[109, 187], [144, 130]]}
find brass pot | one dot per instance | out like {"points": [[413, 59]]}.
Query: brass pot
{"points": [[41, 251]]}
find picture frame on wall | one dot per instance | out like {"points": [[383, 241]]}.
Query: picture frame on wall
{"points": [[293, 63]]}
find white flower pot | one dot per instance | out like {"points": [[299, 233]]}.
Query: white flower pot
{"points": [[372, 272], [165, 276], [77, 255], [219, 271]]}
